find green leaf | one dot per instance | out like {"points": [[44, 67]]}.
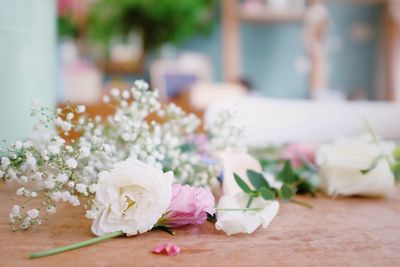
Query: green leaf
{"points": [[287, 175], [242, 184], [257, 179], [286, 192], [267, 193]]}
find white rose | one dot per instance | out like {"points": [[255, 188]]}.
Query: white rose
{"points": [[236, 162], [131, 198], [341, 164], [234, 222]]}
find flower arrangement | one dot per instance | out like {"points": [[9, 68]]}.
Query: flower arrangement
{"points": [[146, 167]]}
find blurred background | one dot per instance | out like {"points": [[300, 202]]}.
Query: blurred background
{"points": [[200, 53]]}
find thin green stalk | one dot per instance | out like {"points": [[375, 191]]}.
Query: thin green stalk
{"points": [[245, 209], [74, 246], [249, 202], [301, 203]]}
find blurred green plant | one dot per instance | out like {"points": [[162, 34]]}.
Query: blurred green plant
{"points": [[158, 21]]}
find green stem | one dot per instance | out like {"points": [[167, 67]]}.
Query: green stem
{"points": [[74, 246], [245, 209], [301, 203], [249, 202]]}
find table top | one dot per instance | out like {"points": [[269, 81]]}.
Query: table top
{"points": [[336, 232]]}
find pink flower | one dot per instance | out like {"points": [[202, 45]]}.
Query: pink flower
{"points": [[169, 249], [298, 154], [189, 205]]}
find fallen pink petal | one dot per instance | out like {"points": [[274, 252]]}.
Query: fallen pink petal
{"points": [[168, 249]]}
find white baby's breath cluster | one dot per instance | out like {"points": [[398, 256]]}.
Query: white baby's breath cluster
{"points": [[225, 131], [51, 170]]}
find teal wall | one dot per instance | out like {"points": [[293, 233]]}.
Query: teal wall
{"points": [[27, 63], [270, 51]]}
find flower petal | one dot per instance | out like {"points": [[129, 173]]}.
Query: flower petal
{"points": [[168, 249]]}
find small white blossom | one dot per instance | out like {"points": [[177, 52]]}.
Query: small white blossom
{"points": [[62, 178], [27, 144], [81, 188], [71, 184], [71, 163], [5, 162], [25, 225], [80, 109], [92, 188], [33, 194], [91, 214], [56, 196], [16, 210], [54, 149], [74, 201], [125, 94], [51, 209], [70, 149], [31, 161], [106, 99], [84, 152], [70, 116], [65, 196], [20, 191], [49, 184], [115, 92], [33, 213], [18, 145], [24, 179]]}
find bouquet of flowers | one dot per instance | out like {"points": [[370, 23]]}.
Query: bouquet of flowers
{"points": [[148, 167]]}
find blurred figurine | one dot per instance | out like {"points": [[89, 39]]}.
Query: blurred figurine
{"points": [[315, 30]]}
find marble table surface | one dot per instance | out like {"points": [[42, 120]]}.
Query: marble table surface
{"points": [[336, 232]]}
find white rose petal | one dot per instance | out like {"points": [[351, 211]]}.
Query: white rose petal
{"points": [[235, 222], [131, 198], [341, 164]]}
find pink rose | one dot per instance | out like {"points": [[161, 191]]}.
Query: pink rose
{"points": [[189, 205], [298, 154]]}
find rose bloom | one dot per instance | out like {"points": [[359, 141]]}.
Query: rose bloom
{"points": [[131, 198], [236, 162], [189, 205], [298, 153], [233, 221], [341, 164]]}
